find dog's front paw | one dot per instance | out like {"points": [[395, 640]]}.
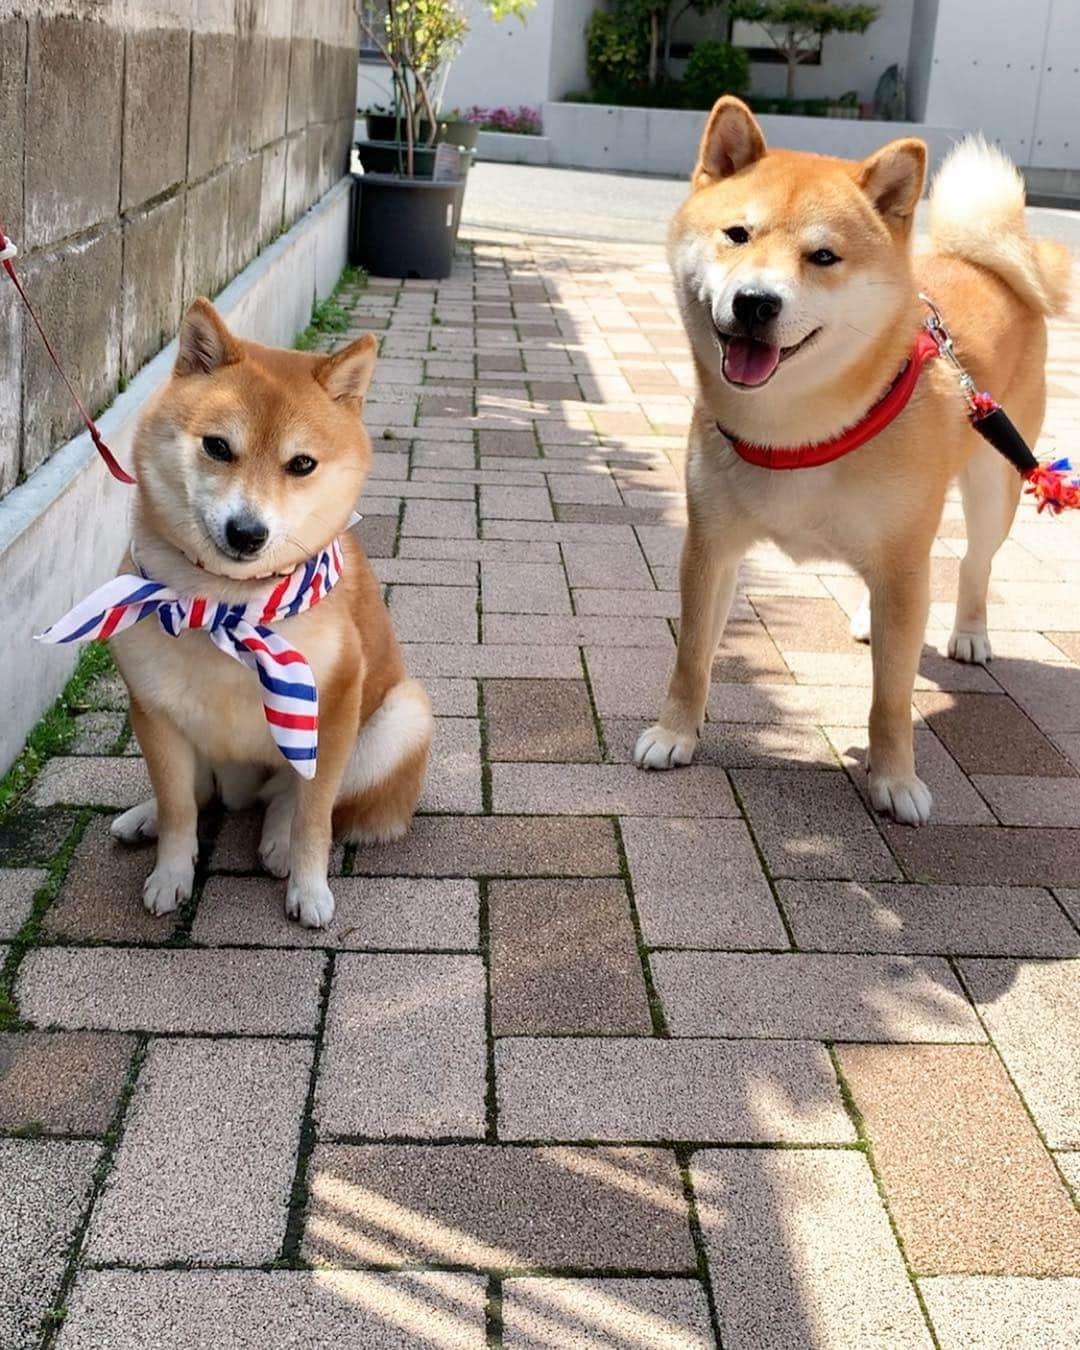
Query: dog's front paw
{"points": [[274, 846], [167, 887], [658, 748], [905, 798], [312, 902], [971, 648], [136, 825]]}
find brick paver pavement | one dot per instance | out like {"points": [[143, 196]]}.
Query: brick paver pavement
{"points": [[592, 1058]]}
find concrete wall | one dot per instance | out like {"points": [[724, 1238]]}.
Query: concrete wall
{"points": [[149, 149]]}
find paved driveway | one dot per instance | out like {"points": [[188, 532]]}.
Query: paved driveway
{"points": [[593, 1058]]}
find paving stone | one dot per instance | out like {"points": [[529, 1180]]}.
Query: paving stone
{"points": [[564, 960], [661, 1089], [44, 1189], [988, 733], [803, 624], [801, 1253], [992, 856], [205, 1168], [1032, 1012], [1032, 801], [18, 886], [405, 1053], [970, 1313], [61, 1082], [382, 913], [488, 1206], [610, 789], [1048, 693], [820, 997], [434, 613], [699, 884], [969, 1184], [517, 588], [611, 566], [460, 660], [515, 503], [453, 781], [181, 1309], [95, 733], [128, 989], [805, 705], [849, 916], [747, 653], [605, 1314], [586, 630], [440, 520], [811, 824], [735, 745], [378, 535], [539, 720], [457, 846], [101, 896], [92, 781], [34, 836], [452, 698]]}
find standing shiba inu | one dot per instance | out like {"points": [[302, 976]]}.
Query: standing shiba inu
{"points": [[800, 299], [248, 462]]}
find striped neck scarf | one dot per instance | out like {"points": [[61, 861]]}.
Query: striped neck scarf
{"points": [[290, 699]]}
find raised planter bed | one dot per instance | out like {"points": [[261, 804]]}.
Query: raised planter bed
{"points": [[665, 140], [508, 147]]}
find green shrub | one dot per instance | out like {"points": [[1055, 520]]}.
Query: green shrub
{"points": [[614, 51], [715, 68]]}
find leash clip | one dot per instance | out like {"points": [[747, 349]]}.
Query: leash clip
{"points": [[941, 335], [9, 250]]}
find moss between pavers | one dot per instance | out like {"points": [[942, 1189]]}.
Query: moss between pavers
{"points": [[332, 315]]}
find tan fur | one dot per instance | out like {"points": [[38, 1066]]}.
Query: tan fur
{"points": [[845, 331], [196, 712]]}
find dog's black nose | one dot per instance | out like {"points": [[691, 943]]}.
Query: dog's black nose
{"points": [[754, 308], [246, 533]]}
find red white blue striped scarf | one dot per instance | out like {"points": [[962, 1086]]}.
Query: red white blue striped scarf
{"points": [[290, 699]]}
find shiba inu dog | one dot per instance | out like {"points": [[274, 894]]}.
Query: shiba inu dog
{"points": [[248, 462], [800, 298]]}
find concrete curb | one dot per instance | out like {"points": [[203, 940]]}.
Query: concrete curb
{"points": [[64, 529]]}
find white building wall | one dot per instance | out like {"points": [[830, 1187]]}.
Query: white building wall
{"points": [[1012, 73], [507, 63]]}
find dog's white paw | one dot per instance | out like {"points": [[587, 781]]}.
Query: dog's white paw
{"points": [[310, 902], [906, 799], [167, 887], [275, 842], [658, 748], [860, 624], [971, 648], [136, 825]]}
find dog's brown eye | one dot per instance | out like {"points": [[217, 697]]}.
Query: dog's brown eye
{"points": [[738, 234], [823, 257], [300, 465], [217, 448]]}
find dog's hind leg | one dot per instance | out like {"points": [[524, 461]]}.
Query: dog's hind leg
{"points": [[707, 574], [385, 775], [990, 489]]}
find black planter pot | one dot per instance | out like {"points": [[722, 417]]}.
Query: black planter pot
{"points": [[387, 127], [404, 227], [391, 157]]}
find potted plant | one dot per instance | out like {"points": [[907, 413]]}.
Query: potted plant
{"points": [[404, 217]]}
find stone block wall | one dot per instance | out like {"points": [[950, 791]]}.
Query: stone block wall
{"points": [[149, 150]]}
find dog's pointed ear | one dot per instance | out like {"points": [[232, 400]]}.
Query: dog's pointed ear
{"points": [[732, 140], [346, 375], [204, 343], [893, 178]]}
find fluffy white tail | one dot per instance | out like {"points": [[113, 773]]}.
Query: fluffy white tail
{"points": [[977, 213], [400, 727]]}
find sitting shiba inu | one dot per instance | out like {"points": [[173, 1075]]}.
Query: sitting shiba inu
{"points": [[264, 660], [801, 301]]}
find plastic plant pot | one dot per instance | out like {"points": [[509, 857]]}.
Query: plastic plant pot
{"points": [[404, 227]]}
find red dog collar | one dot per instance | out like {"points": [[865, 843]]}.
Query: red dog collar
{"points": [[886, 410]]}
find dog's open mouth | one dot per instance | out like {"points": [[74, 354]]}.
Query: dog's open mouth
{"points": [[750, 362]]}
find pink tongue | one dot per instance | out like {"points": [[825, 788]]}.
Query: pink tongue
{"points": [[747, 361]]}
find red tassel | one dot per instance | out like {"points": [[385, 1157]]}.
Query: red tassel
{"points": [[1050, 487]]}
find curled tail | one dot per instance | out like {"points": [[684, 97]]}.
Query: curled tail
{"points": [[977, 213]]}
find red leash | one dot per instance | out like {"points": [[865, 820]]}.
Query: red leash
{"points": [[7, 252]]}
